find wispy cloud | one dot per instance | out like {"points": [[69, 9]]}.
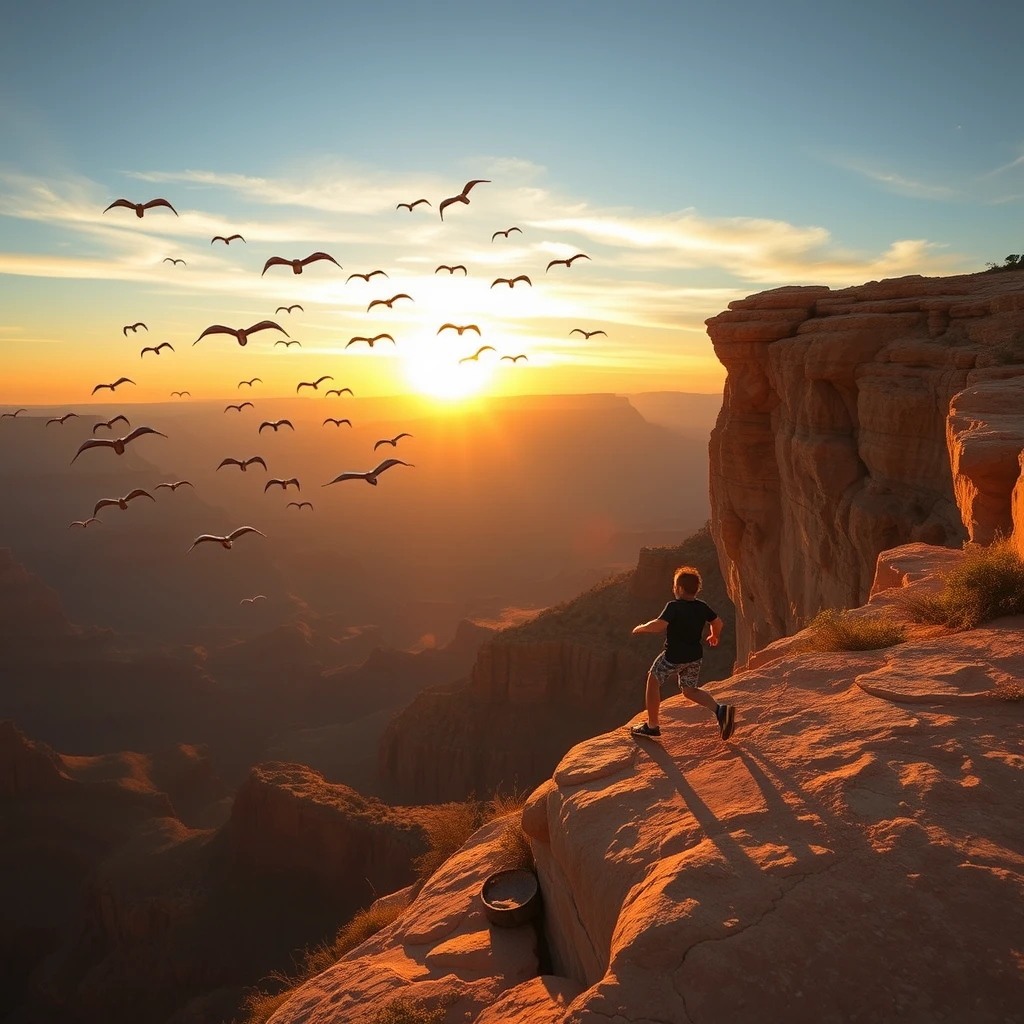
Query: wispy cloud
{"points": [[892, 180]]}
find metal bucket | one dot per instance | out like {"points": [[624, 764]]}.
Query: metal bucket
{"points": [[511, 898]]}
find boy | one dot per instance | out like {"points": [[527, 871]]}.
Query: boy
{"points": [[683, 621]]}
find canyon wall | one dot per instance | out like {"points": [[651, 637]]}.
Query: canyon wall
{"points": [[837, 440]]}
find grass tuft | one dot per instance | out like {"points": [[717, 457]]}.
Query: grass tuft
{"points": [[259, 1006], [986, 585], [832, 630], [412, 1011], [514, 849], [447, 830]]}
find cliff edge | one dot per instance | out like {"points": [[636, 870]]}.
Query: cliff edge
{"points": [[837, 439]]}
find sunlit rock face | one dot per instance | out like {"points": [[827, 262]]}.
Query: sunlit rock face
{"points": [[853, 853], [833, 443]]}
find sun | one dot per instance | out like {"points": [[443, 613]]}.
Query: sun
{"points": [[434, 369]]}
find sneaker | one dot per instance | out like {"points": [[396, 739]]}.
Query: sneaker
{"points": [[645, 730], [726, 715]]}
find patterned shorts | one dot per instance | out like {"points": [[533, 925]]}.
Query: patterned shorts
{"points": [[686, 673]]}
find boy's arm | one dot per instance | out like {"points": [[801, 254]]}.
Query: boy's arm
{"points": [[654, 626], [716, 631]]}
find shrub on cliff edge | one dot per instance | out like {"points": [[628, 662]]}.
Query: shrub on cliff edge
{"points": [[447, 830], [832, 630], [986, 585], [514, 849]]}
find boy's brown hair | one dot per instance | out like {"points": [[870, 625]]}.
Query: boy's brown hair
{"points": [[688, 577]]}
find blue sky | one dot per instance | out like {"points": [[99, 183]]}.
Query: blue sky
{"points": [[700, 152]]}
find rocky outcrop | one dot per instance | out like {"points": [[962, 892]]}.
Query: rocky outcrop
{"points": [[26, 767], [30, 611], [287, 820], [441, 952], [852, 853], [538, 688], [985, 437], [832, 441]]}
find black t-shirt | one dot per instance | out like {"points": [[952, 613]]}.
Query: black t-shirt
{"points": [[686, 620]]}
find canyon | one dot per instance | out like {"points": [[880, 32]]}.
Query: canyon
{"points": [[854, 852]]}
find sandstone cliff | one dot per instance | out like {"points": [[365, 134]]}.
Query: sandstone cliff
{"points": [[855, 853], [833, 441], [537, 688]]}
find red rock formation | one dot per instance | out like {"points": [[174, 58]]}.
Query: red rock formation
{"points": [[537, 688], [853, 853], [27, 768], [831, 444], [985, 437], [287, 820]]}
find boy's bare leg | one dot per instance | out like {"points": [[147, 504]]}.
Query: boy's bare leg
{"points": [[653, 699], [698, 696]]}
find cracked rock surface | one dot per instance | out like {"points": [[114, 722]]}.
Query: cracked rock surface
{"points": [[855, 853]]}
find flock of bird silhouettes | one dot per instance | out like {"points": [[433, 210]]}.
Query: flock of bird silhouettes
{"points": [[242, 336]]}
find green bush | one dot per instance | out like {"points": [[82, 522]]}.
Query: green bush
{"points": [[832, 630], [986, 585]]}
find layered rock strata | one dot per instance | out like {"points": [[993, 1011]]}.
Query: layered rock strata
{"points": [[832, 441]]}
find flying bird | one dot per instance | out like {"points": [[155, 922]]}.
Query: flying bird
{"points": [[370, 341], [287, 344], [226, 241], [371, 476], [337, 423], [568, 262], [245, 600], [109, 424], [515, 359], [227, 541], [314, 384], [62, 419], [84, 522], [141, 208], [463, 196], [365, 277], [505, 232], [393, 441], [411, 206], [242, 336], [451, 270], [156, 348], [14, 415], [249, 383], [476, 355], [300, 505], [387, 302], [122, 503], [174, 486], [288, 309], [282, 483], [511, 282], [275, 424], [133, 328], [116, 443], [297, 265], [240, 406], [119, 381], [586, 334], [170, 259], [340, 391], [454, 327], [243, 464], [181, 394]]}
